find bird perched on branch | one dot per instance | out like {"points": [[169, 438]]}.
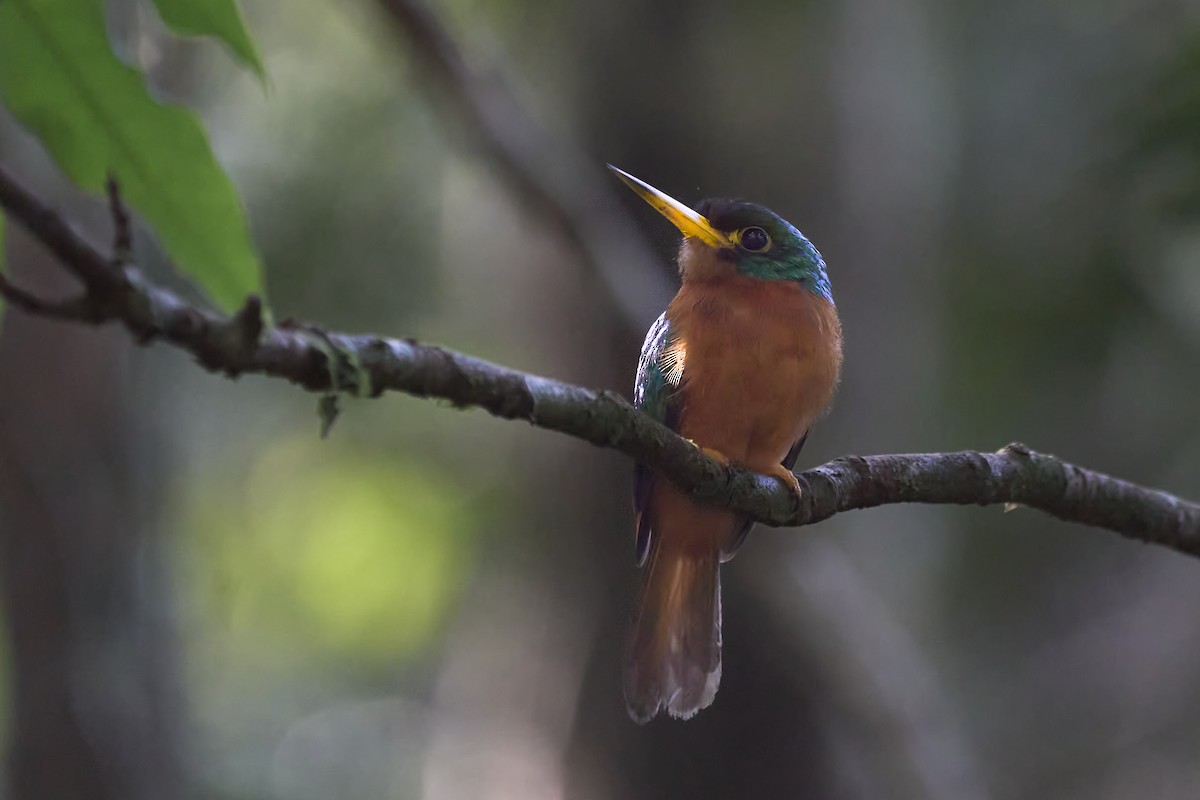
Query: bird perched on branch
{"points": [[742, 362]]}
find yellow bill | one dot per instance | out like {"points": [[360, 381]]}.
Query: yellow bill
{"points": [[690, 223]]}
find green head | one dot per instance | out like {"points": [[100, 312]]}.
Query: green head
{"points": [[757, 242]]}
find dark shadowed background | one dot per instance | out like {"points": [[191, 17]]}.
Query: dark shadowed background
{"points": [[204, 598]]}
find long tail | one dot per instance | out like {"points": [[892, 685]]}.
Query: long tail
{"points": [[674, 658]]}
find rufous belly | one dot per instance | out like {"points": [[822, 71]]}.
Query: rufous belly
{"points": [[757, 363], [760, 365]]}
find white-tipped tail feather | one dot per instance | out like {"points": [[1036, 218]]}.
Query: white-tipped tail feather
{"points": [[674, 659]]}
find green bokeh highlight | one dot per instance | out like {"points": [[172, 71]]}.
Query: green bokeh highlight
{"points": [[334, 551]]}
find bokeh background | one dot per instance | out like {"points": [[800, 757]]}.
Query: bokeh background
{"points": [[202, 598]]}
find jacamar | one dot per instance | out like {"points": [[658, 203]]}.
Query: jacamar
{"points": [[743, 361]]}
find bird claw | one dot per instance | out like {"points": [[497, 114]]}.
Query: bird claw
{"points": [[715, 455], [779, 471], [788, 478]]}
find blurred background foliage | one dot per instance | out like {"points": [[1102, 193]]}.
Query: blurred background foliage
{"points": [[204, 598]]}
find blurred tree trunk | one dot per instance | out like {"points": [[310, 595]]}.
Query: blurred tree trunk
{"points": [[762, 736], [93, 676]]}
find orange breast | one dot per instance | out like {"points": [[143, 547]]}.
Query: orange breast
{"points": [[758, 362]]}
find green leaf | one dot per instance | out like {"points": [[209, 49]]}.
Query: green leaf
{"points": [[219, 18], [59, 77]]}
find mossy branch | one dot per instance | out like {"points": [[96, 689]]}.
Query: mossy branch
{"points": [[324, 361]]}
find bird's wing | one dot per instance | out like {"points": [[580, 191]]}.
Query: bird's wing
{"points": [[656, 394], [789, 461], [745, 525]]}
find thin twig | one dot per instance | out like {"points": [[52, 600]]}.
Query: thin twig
{"points": [[122, 227], [76, 309], [371, 365]]}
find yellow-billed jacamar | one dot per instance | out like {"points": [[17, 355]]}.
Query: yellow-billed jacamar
{"points": [[743, 361]]}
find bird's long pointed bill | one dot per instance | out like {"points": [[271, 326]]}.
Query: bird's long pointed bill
{"points": [[690, 223]]}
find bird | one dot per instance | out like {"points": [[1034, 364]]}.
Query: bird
{"points": [[746, 357]]}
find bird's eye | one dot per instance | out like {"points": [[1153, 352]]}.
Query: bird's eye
{"points": [[755, 240]]}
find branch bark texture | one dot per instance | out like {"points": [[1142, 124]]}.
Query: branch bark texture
{"points": [[325, 361]]}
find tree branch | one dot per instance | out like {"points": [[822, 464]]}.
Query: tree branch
{"points": [[324, 361], [78, 309]]}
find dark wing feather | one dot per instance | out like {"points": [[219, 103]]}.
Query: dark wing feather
{"points": [[656, 397], [744, 526], [789, 461]]}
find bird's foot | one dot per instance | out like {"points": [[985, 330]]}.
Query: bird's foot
{"points": [[716, 455], [788, 478]]}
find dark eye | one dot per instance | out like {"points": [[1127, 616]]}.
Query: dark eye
{"points": [[755, 240]]}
